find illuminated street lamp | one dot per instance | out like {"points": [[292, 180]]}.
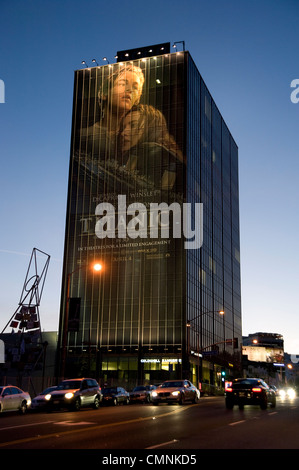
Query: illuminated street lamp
{"points": [[221, 312], [95, 267], [188, 325]]}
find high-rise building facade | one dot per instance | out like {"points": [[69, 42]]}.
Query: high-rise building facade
{"points": [[153, 199]]}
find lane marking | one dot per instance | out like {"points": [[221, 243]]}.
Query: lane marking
{"points": [[25, 425], [74, 423], [97, 427], [237, 422], [163, 444]]}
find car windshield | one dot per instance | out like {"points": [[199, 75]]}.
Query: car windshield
{"points": [[48, 390], [106, 391], [139, 389], [177, 384], [69, 385], [248, 382]]}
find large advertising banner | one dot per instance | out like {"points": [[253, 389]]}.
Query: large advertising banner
{"points": [[126, 202], [263, 354]]}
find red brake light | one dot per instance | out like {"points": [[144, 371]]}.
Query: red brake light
{"points": [[256, 389], [229, 389]]}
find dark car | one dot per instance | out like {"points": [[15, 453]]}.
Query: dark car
{"points": [[142, 394], [74, 393], [249, 392], [39, 402], [275, 389], [115, 396], [175, 391]]}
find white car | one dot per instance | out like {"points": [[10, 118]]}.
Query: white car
{"points": [[74, 393], [175, 391], [14, 399]]}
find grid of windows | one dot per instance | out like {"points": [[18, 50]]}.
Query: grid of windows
{"points": [[212, 178]]}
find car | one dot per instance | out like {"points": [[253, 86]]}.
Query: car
{"points": [[275, 389], [74, 394], [249, 391], [287, 393], [115, 396], [175, 391], [142, 394], [14, 399], [39, 401]]}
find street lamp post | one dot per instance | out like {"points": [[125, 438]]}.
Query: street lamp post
{"points": [[188, 325], [96, 267]]}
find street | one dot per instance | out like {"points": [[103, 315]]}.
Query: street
{"points": [[207, 425]]}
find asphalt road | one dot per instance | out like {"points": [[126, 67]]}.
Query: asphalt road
{"points": [[207, 425]]}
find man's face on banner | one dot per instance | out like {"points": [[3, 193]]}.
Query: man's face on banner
{"points": [[126, 91]]}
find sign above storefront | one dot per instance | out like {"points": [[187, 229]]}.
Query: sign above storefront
{"points": [[161, 360]]}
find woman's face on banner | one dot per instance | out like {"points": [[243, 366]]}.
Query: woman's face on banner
{"points": [[126, 91], [132, 130]]}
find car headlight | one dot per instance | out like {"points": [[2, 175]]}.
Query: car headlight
{"points": [[48, 397], [69, 395], [154, 394], [175, 393], [291, 393]]}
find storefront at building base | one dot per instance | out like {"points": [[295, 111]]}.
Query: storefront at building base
{"points": [[129, 369]]}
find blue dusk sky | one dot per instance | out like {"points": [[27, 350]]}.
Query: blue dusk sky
{"points": [[247, 54]]}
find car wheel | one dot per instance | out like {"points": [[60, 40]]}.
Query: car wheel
{"points": [[96, 403], [229, 404], [182, 399], [77, 404], [155, 403], [273, 403], [264, 404], [23, 408]]}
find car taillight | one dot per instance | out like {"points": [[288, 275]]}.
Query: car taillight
{"points": [[229, 389], [256, 389]]}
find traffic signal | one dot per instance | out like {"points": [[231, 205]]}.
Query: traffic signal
{"points": [[223, 374]]}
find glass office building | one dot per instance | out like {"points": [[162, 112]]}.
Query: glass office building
{"points": [[153, 199]]}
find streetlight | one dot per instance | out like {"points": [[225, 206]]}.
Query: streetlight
{"points": [[95, 267], [188, 325]]}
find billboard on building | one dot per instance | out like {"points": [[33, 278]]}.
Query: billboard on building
{"points": [[127, 158], [263, 354]]}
